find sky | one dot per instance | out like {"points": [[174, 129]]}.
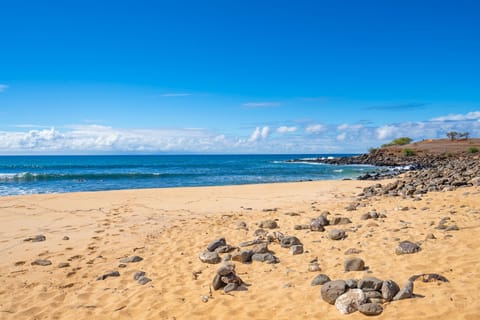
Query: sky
{"points": [[272, 76]]}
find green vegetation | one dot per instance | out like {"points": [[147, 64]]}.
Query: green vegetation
{"points": [[472, 150], [408, 152], [398, 142], [372, 150]]}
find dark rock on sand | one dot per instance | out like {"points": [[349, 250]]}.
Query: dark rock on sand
{"points": [[110, 274], [63, 265], [354, 264], [316, 225], [389, 289], [268, 224], [210, 257], [143, 280], [406, 292], [296, 249], [225, 249], [261, 248], [265, 257], [66, 238], [220, 242], [243, 256], [336, 234], [287, 242], [38, 238], [138, 275], [332, 290], [428, 277], [370, 283], [131, 259], [407, 247], [370, 309], [320, 280], [41, 262]]}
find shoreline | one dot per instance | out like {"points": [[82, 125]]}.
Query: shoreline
{"points": [[170, 227]]}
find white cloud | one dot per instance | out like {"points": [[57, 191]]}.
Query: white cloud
{"points": [[351, 127], [261, 104], [285, 129], [342, 136], [176, 94], [259, 134], [386, 132], [3, 87], [315, 128], [474, 115]]}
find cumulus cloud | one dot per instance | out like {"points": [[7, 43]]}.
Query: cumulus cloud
{"points": [[3, 87], [315, 128], [261, 104], [344, 138], [386, 132], [474, 115], [259, 134], [285, 129]]}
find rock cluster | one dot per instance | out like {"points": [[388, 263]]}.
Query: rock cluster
{"points": [[439, 175], [226, 279], [367, 295]]}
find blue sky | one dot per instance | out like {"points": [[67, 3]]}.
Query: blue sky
{"points": [[82, 77]]}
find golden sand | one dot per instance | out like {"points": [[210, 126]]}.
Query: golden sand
{"points": [[169, 228]]}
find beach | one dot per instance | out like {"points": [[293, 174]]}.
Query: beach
{"points": [[87, 234]]}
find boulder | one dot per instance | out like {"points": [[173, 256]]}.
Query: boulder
{"points": [[370, 309], [243, 256], [370, 283], [210, 257], [406, 292], [407, 247], [220, 242], [336, 234], [332, 290], [389, 289], [296, 249], [354, 264], [320, 280], [268, 224], [350, 301], [287, 242]]}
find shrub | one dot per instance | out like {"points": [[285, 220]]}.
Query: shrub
{"points": [[372, 150], [398, 142], [402, 141], [472, 150], [408, 152]]}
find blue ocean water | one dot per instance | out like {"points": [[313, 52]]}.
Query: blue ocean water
{"points": [[56, 174]]}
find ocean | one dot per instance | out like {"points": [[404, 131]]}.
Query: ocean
{"points": [[57, 174]]}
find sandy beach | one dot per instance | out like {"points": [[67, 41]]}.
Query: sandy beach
{"points": [[169, 228]]}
